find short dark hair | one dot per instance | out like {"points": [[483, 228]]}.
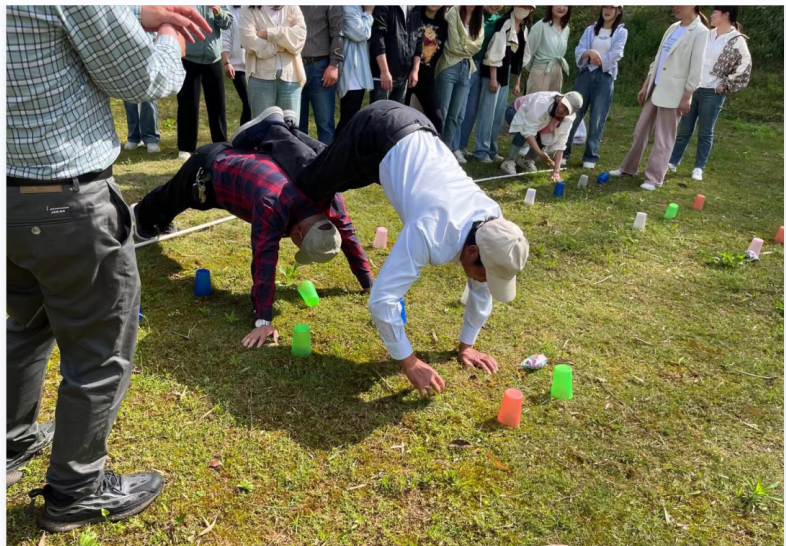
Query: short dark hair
{"points": [[733, 12], [473, 231], [548, 17], [614, 25]]}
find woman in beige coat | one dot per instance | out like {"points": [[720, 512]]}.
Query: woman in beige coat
{"points": [[666, 94], [273, 37]]}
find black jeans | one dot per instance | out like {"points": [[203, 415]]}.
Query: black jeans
{"points": [[209, 77], [398, 93], [242, 91], [426, 92], [163, 204], [351, 103]]}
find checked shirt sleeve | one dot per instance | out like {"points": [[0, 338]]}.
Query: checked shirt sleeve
{"points": [[350, 245], [120, 57], [267, 229]]}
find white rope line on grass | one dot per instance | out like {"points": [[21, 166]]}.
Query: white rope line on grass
{"points": [[227, 218]]}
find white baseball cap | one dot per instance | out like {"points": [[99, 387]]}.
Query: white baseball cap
{"points": [[319, 245], [503, 250], [572, 101]]}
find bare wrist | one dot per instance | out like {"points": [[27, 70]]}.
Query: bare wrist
{"points": [[408, 362]]}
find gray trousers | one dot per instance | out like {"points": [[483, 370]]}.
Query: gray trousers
{"points": [[72, 278]]}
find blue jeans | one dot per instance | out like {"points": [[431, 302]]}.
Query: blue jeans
{"points": [[597, 90], [491, 112], [705, 107], [399, 93], [452, 89], [518, 139], [142, 127], [470, 112], [323, 102], [263, 94]]}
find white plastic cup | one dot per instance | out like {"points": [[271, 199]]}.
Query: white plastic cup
{"points": [[381, 238], [583, 181], [756, 245], [465, 295], [641, 219], [529, 199]]}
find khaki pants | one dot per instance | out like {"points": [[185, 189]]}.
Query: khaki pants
{"points": [[664, 123], [540, 80]]}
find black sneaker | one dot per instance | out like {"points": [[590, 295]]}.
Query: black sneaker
{"points": [[249, 135], [46, 432], [120, 496], [150, 234]]}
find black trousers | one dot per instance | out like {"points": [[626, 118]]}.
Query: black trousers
{"points": [[209, 77], [242, 91], [426, 92], [351, 103], [163, 204]]}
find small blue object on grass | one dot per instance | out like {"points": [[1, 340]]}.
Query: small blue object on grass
{"points": [[202, 285], [559, 189], [603, 178], [403, 310], [141, 316]]}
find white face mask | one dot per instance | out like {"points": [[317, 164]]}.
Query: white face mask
{"points": [[521, 13]]}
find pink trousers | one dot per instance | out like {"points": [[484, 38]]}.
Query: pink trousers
{"points": [[664, 121]]}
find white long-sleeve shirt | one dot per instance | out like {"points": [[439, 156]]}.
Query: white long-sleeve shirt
{"points": [[230, 42], [437, 203]]}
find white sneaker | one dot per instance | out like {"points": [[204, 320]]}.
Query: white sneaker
{"points": [[459, 157], [649, 187], [486, 160], [617, 173], [527, 164], [697, 174], [291, 119], [153, 148], [589, 165], [131, 145], [183, 156], [498, 158], [672, 167], [508, 166]]}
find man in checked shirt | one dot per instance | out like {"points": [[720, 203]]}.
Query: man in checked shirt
{"points": [[252, 186]]}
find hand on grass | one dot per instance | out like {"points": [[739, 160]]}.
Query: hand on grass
{"points": [[472, 358], [258, 336], [555, 176], [422, 376]]}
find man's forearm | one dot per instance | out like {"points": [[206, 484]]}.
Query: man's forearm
{"points": [[382, 61]]}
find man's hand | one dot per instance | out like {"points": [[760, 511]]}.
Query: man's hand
{"points": [[185, 19], [684, 106], [472, 358], [216, 10], [386, 81], [545, 157], [169, 30], [421, 375], [229, 70], [330, 76], [258, 336], [412, 80]]}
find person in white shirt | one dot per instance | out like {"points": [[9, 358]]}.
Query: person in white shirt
{"points": [[727, 69], [446, 217], [233, 59]]}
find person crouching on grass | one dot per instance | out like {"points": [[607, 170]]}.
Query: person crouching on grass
{"points": [[446, 217], [543, 121], [253, 187]]}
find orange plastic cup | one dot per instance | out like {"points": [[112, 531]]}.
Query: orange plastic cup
{"points": [[698, 202], [779, 236], [510, 410]]}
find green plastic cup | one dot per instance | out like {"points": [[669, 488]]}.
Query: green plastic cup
{"points": [[301, 341], [562, 383], [309, 293], [671, 211]]}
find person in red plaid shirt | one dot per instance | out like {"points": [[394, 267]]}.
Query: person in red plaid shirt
{"points": [[250, 185]]}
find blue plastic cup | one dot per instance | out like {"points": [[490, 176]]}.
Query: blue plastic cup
{"points": [[559, 189], [403, 310], [202, 285], [603, 178]]}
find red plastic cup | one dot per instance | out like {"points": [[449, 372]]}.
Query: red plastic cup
{"points": [[698, 202], [510, 410], [779, 236]]}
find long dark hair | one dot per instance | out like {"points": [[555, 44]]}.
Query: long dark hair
{"points": [[527, 22], [475, 21], [548, 17], [733, 12], [703, 17], [614, 25]]}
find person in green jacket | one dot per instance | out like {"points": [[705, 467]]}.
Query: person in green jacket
{"points": [[203, 70]]}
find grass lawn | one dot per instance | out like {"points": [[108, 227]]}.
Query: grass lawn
{"points": [[678, 371]]}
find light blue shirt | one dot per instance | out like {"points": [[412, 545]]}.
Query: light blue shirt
{"points": [[357, 31], [611, 59], [63, 63]]}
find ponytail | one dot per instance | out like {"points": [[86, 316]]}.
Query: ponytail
{"points": [[733, 12], [703, 17]]}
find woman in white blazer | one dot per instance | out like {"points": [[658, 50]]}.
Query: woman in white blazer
{"points": [[666, 94]]}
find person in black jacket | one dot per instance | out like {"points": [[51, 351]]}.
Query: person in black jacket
{"points": [[395, 51], [433, 33], [504, 56]]}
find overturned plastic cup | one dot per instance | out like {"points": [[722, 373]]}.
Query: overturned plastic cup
{"points": [[510, 410], [562, 382], [202, 286], [301, 341], [308, 292]]}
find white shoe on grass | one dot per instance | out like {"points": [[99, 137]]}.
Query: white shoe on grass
{"points": [[616, 173], [131, 145], [527, 164], [153, 148], [672, 167], [459, 157], [649, 187], [508, 166], [697, 174], [486, 160], [589, 165], [183, 156], [498, 158]]}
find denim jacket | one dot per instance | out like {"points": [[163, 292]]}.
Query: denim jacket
{"points": [[357, 31], [611, 59]]}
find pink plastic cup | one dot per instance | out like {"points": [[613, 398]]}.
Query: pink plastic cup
{"points": [[381, 238]]}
